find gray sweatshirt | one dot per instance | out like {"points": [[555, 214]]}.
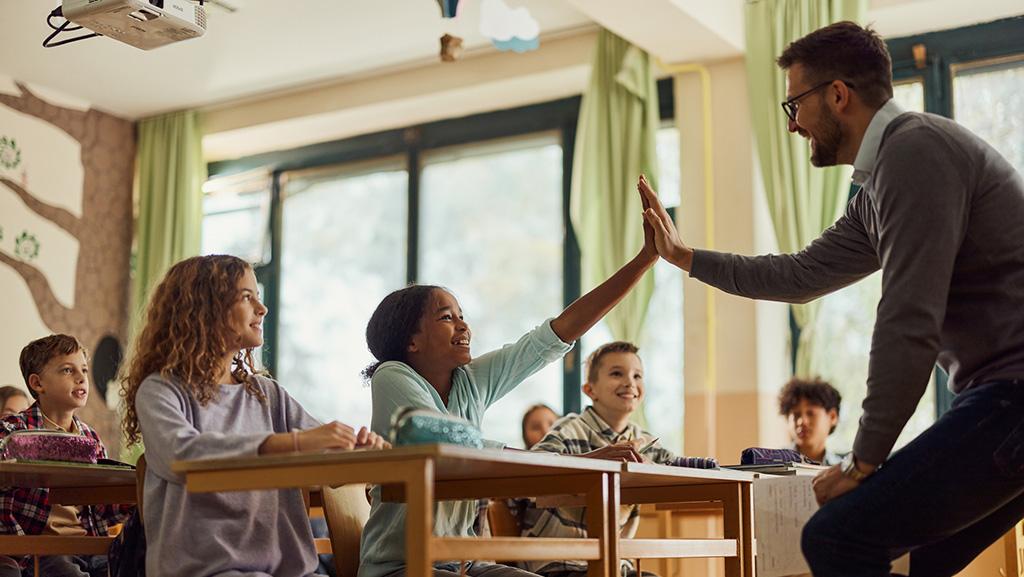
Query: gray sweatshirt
{"points": [[942, 214], [237, 534]]}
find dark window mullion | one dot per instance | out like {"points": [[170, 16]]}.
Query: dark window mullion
{"points": [[413, 167], [270, 275], [571, 365]]}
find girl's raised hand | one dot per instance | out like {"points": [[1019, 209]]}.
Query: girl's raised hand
{"points": [[666, 237], [333, 435], [650, 238]]}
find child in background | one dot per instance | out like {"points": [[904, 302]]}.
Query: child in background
{"points": [[56, 371], [191, 389], [537, 422], [421, 341], [12, 400], [811, 408], [615, 385]]}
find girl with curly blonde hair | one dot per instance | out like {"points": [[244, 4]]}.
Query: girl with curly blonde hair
{"points": [[192, 391]]}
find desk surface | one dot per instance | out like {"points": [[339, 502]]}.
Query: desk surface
{"points": [[59, 475], [635, 475], [451, 462]]}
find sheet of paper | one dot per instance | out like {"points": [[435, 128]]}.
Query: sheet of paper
{"points": [[782, 506]]}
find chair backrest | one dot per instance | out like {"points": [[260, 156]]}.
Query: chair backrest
{"points": [[503, 522], [140, 477], [346, 509]]}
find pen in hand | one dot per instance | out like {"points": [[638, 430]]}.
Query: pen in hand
{"points": [[649, 445]]}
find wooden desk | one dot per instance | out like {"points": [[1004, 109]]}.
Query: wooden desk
{"points": [[69, 484], [422, 474], [72, 484], [642, 483]]}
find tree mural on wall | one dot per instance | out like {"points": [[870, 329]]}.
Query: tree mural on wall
{"points": [[103, 232]]}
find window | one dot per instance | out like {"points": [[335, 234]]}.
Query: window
{"points": [[466, 203], [661, 341], [972, 74], [343, 239], [988, 98], [491, 231], [909, 94], [236, 216]]}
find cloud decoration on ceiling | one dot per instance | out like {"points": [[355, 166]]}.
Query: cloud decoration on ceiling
{"points": [[509, 28]]}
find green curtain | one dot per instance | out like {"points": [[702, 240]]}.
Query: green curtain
{"points": [[170, 175], [802, 200], [615, 143]]}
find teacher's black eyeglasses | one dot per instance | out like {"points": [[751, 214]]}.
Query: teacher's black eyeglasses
{"points": [[791, 105]]}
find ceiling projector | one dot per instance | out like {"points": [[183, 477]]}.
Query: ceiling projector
{"points": [[144, 24]]}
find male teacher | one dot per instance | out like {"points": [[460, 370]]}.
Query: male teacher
{"points": [[942, 214]]}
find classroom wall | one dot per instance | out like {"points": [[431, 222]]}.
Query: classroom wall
{"points": [[65, 229]]}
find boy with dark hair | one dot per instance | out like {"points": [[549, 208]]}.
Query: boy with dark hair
{"points": [[811, 408], [56, 370]]}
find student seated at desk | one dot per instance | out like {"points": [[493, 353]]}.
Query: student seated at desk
{"points": [[56, 371], [12, 400], [192, 392], [615, 385], [421, 341], [811, 408], [537, 421]]}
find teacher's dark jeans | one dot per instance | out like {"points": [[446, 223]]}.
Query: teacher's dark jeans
{"points": [[945, 497]]}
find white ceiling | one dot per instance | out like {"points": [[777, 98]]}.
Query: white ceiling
{"points": [[266, 45], [274, 45]]}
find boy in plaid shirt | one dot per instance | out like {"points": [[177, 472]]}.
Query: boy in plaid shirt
{"points": [[615, 385], [55, 369]]}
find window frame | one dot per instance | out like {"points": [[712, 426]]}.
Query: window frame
{"points": [[947, 51], [411, 143]]}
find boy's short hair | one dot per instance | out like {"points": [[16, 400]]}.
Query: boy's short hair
{"points": [[593, 362], [815, 391], [37, 353]]}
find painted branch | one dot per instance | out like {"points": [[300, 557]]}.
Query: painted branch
{"points": [[46, 303], [58, 216], [66, 119]]}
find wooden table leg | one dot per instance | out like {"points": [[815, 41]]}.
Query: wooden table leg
{"points": [[732, 505], [598, 523], [419, 517], [614, 509], [747, 547]]}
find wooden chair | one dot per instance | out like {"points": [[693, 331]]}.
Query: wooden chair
{"points": [[346, 509], [503, 522]]}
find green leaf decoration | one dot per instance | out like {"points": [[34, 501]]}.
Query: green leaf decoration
{"points": [[26, 246], [10, 154]]}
